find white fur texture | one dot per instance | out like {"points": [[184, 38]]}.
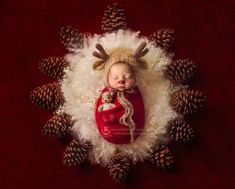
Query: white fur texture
{"points": [[81, 87]]}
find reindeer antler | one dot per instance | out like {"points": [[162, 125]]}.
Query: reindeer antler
{"points": [[140, 51], [101, 54]]}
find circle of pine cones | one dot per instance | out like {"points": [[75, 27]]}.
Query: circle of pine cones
{"points": [[53, 67], [180, 71], [180, 131], [76, 153], [119, 167], [58, 126], [183, 101], [187, 101], [162, 157], [114, 18]]}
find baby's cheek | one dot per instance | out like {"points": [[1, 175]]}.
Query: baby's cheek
{"points": [[130, 83], [113, 82]]}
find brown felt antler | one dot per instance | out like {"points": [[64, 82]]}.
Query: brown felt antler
{"points": [[140, 51], [101, 54]]}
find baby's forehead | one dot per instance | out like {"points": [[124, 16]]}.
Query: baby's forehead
{"points": [[119, 66]]}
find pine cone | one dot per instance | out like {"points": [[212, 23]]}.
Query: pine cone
{"points": [[58, 126], [180, 131], [187, 101], [114, 18], [71, 38], [76, 153], [162, 157], [48, 97], [180, 71], [164, 38], [119, 167], [53, 67]]}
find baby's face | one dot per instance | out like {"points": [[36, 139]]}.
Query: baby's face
{"points": [[121, 77]]}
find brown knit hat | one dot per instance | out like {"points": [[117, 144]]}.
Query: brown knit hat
{"points": [[119, 55]]}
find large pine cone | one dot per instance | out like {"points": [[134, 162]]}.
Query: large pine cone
{"points": [[114, 18], [119, 167], [163, 38], [48, 97], [187, 101], [76, 153], [180, 131], [162, 157], [53, 67], [58, 126], [71, 38], [180, 71]]}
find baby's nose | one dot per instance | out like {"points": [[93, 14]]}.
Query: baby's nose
{"points": [[121, 82]]}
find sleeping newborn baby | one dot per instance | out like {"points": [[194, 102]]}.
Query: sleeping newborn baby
{"points": [[120, 113]]}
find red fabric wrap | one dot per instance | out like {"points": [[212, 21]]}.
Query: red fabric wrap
{"points": [[108, 120]]}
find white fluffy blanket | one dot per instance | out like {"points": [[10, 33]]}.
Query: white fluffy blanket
{"points": [[81, 87]]}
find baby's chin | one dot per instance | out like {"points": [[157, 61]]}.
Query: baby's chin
{"points": [[122, 88]]}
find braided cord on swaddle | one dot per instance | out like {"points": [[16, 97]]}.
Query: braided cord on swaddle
{"points": [[126, 118]]}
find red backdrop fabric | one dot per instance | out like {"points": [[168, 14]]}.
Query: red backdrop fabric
{"points": [[205, 33]]}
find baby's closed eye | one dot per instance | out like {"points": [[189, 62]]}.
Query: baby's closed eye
{"points": [[114, 77], [128, 76]]}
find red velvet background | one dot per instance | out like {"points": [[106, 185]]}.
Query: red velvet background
{"points": [[29, 31]]}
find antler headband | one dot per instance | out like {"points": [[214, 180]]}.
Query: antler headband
{"points": [[101, 54]]}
